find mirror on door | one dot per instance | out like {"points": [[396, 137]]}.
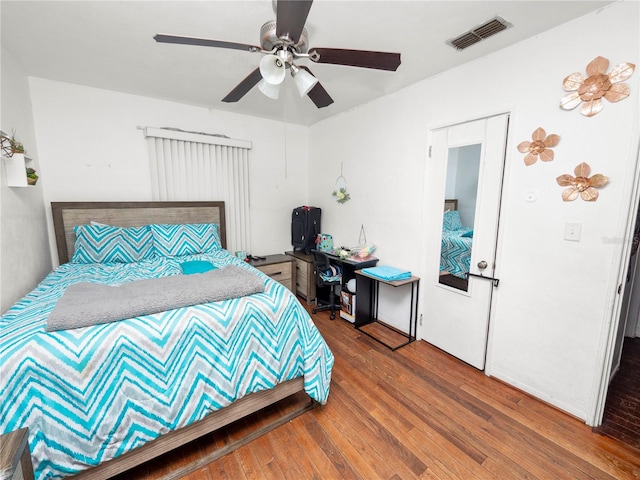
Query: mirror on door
{"points": [[461, 188]]}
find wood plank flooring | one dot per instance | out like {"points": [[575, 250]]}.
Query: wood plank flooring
{"points": [[621, 418], [413, 413]]}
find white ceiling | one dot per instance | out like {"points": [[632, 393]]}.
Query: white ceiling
{"points": [[109, 45]]}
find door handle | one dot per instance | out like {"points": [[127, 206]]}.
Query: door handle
{"points": [[482, 264]]}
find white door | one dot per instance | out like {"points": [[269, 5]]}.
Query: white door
{"points": [[465, 168]]}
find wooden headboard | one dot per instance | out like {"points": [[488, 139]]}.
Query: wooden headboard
{"points": [[450, 204], [67, 215]]}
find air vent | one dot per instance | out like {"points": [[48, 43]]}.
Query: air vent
{"points": [[480, 32]]}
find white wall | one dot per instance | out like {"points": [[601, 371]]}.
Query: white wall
{"points": [[467, 161], [24, 256], [91, 150], [555, 297]]}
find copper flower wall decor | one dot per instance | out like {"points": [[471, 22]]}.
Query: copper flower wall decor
{"points": [[582, 185], [598, 84], [540, 146]]}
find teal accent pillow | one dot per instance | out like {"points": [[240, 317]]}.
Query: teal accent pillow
{"points": [[109, 244], [468, 234], [175, 240], [196, 266], [451, 220]]}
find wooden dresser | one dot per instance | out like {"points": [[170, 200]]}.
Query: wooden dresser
{"points": [[279, 267], [305, 276]]}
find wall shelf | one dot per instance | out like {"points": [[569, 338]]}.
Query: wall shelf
{"points": [[16, 169]]}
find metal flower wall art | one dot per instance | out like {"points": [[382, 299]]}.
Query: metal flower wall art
{"points": [[582, 185], [539, 147], [598, 84]]}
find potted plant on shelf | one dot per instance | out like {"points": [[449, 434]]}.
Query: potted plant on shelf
{"points": [[16, 146], [10, 145], [32, 177]]}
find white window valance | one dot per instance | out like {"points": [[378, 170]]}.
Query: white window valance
{"points": [[197, 137]]}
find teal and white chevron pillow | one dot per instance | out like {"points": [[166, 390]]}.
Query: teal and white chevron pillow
{"points": [[452, 220], [108, 244], [175, 240]]}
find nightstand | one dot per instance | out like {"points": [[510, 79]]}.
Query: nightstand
{"points": [[280, 267], [15, 456], [305, 276]]}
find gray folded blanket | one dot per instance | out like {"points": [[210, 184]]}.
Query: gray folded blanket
{"points": [[84, 304]]}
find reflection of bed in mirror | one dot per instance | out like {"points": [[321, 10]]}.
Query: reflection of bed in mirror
{"points": [[455, 253]]}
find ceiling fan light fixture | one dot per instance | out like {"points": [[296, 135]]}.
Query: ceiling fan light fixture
{"points": [[269, 89], [283, 41], [303, 80], [272, 69]]}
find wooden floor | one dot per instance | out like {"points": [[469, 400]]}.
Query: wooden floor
{"points": [[621, 418], [412, 413]]}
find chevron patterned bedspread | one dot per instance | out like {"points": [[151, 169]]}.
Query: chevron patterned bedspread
{"points": [[92, 394], [455, 255]]}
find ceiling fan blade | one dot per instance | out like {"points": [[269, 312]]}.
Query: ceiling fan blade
{"points": [[203, 42], [318, 94], [243, 87], [356, 58], [291, 16]]}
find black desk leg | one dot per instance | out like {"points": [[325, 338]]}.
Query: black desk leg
{"points": [[364, 302], [413, 319], [367, 310]]}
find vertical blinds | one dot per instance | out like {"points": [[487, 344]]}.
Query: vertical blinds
{"points": [[188, 166]]}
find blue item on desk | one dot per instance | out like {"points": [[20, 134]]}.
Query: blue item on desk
{"points": [[325, 243], [387, 273]]}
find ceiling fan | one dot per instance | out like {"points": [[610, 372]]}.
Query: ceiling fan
{"points": [[282, 42]]}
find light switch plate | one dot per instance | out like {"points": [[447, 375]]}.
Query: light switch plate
{"points": [[572, 231]]}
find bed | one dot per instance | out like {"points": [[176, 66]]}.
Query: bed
{"points": [[101, 399], [455, 252]]}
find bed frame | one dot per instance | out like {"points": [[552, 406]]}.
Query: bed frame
{"points": [[66, 215], [450, 204]]}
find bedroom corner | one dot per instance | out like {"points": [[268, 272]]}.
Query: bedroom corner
{"points": [[25, 257]]}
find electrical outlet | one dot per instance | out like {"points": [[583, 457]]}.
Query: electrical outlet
{"points": [[572, 231]]}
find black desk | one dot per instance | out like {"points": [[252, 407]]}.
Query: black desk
{"points": [[367, 306], [349, 266]]}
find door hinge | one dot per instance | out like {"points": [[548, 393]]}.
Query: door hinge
{"points": [[619, 289], [430, 147], [420, 319]]}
